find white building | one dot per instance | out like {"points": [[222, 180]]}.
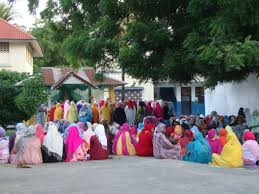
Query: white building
{"points": [[17, 48], [227, 98]]}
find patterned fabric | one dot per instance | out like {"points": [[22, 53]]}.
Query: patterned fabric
{"points": [[80, 153], [162, 147]]}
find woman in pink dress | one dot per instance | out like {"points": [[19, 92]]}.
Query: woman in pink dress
{"points": [[75, 146], [40, 133], [250, 149], [28, 148]]}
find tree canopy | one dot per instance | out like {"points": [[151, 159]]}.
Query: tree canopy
{"points": [[162, 39], [6, 12]]}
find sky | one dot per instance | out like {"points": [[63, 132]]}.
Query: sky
{"points": [[21, 9]]}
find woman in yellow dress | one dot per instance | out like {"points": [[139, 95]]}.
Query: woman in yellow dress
{"points": [[231, 155]]}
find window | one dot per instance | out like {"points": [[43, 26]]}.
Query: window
{"points": [[199, 94], [4, 47]]}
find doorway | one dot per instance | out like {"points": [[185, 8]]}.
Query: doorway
{"points": [[186, 100]]}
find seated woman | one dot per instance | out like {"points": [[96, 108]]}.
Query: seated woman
{"points": [[198, 150], [40, 132], [223, 136], [4, 146], [188, 137], [123, 142], [214, 142], [98, 144], [75, 146], [145, 144], [85, 114], [52, 148], [28, 148], [231, 155], [250, 149], [162, 147]]}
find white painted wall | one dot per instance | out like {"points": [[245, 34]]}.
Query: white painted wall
{"points": [[148, 92], [228, 98], [15, 60]]}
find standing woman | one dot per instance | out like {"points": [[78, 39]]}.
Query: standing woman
{"points": [[72, 113], [28, 148], [52, 148], [105, 113], [4, 146], [130, 112], [66, 107], [95, 113], [141, 112], [58, 114]]}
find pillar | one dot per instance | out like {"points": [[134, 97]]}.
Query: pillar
{"points": [[178, 101], [194, 103], [111, 94]]}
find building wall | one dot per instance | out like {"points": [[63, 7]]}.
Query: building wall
{"points": [[227, 98], [15, 60], [148, 92]]}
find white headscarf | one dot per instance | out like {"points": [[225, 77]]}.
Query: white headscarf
{"points": [[100, 133], [20, 131], [88, 133], [53, 142]]}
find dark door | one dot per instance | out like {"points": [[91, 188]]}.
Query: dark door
{"points": [[167, 94], [186, 100]]}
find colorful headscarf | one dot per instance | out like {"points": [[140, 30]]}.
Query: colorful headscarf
{"points": [[248, 135], [223, 136], [130, 104], [58, 114], [66, 107], [53, 142], [100, 133], [2, 132], [40, 133], [73, 141]]}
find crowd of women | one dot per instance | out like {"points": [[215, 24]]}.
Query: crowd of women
{"points": [[81, 131]]}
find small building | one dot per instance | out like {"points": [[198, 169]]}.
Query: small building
{"points": [[67, 83], [17, 48]]}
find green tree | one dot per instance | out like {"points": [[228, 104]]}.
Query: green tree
{"points": [[6, 12], [50, 36], [9, 112], [32, 95], [168, 39]]}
